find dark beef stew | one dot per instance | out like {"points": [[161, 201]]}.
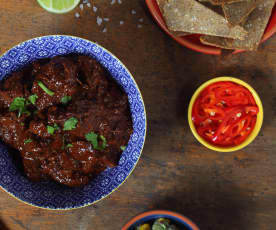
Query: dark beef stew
{"points": [[66, 116]]}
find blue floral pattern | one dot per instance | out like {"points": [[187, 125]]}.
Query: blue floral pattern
{"points": [[50, 194]]}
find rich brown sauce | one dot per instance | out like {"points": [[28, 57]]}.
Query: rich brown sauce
{"points": [[97, 103]]}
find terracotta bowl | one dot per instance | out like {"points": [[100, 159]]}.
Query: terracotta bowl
{"points": [[193, 42]]}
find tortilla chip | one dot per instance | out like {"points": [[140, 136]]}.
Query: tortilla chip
{"points": [[220, 2], [236, 12], [255, 25], [217, 9], [216, 41], [193, 17], [161, 4]]}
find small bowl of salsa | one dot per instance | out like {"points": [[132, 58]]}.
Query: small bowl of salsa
{"points": [[225, 114]]}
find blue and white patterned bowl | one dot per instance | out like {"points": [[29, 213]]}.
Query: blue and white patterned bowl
{"points": [[51, 195]]}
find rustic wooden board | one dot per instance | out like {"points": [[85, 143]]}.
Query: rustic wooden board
{"points": [[229, 191]]}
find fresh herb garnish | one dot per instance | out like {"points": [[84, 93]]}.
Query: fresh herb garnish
{"points": [[33, 98], [45, 89], [93, 139], [56, 126], [69, 145], [52, 129], [66, 99], [19, 104], [22, 123], [103, 141], [27, 141], [70, 124], [123, 148]]}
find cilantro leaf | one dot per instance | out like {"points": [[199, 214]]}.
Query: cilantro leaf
{"points": [[123, 148], [70, 124], [104, 141], [93, 139], [69, 145], [45, 89], [52, 129], [19, 104], [33, 98], [66, 99], [56, 126], [27, 141]]}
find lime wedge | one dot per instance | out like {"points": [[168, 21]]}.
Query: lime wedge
{"points": [[58, 6]]}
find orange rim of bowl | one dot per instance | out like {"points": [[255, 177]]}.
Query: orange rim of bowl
{"points": [[191, 224], [253, 134]]}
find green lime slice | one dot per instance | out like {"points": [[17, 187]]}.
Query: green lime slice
{"points": [[58, 6]]}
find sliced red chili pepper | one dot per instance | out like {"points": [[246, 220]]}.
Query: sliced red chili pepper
{"points": [[233, 96], [208, 99], [206, 132], [225, 113], [214, 112], [219, 85], [228, 121], [252, 109], [198, 114]]}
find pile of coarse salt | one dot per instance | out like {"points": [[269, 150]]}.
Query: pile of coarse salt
{"points": [[99, 19]]}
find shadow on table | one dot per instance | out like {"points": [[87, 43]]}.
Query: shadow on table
{"points": [[3, 226], [210, 208]]}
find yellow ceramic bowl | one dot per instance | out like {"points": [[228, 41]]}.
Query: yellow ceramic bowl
{"points": [[253, 134]]}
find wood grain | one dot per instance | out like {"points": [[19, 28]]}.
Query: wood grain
{"points": [[219, 191]]}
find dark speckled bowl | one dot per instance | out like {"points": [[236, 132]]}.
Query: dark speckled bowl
{"points": [[51, 195]]}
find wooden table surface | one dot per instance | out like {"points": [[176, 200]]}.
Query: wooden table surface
{"points": [[231, 191]]}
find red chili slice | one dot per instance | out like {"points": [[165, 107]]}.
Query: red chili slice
{"points": [[214, 112], [228, 121], [198, 114], [208, 99]]}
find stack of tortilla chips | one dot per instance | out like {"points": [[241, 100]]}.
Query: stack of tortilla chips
{"points": [[229, 24]]}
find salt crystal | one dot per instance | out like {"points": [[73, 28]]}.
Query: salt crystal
{"points": [[139, 26], [99, 20], [81, 6], [77, 15], [106, 19], [121, 22], [120, 1], [95, 9], [88, 4], [141, 20], [112, 2], [104, 30], [133, 11]]}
